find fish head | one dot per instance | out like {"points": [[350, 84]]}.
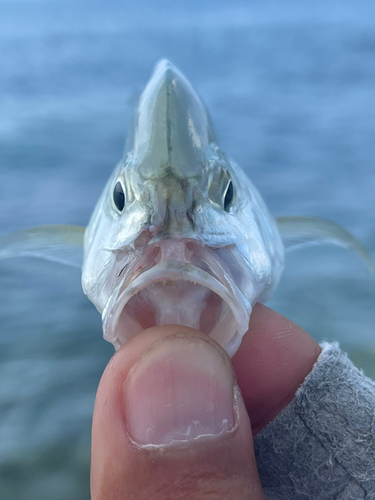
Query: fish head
{"points": [[179, 234]]}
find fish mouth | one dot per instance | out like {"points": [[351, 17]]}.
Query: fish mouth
{"points": [[186, 284]]}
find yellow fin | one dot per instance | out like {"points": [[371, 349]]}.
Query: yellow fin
{"points": [[58, 243], [298, 232]]}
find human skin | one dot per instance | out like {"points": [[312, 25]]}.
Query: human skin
{"points": [[169, 376]]}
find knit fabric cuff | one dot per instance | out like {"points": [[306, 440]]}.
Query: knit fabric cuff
{"points": [[322, 445]]}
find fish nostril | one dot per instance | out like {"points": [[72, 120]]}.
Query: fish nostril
{"points": [[190, 215], [190, 246]]}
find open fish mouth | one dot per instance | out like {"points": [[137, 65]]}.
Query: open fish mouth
{"points": [[178, 282]]}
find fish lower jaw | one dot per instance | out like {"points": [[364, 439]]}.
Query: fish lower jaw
{"points": [[173, 292]]}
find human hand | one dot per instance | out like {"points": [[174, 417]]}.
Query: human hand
{"points": [[172, 383]]}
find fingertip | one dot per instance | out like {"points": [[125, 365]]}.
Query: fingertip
{"points": [[273, 360], [169, 422]]}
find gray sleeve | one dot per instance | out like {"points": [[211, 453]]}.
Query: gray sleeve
{"points": [[322, 445]]}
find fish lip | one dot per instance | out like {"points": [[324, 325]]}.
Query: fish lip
{"points": [[175, 270]]}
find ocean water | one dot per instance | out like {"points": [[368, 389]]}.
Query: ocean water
{"points": [[291, 89]]}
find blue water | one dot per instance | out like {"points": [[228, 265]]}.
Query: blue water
{"points": [[291, 88]]}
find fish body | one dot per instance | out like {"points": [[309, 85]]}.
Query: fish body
{"points": [[179, 235]]}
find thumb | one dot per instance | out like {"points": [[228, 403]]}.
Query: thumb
{"points": [[170, 423]]}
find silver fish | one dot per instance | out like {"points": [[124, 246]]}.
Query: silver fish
{"points": [[179, 235]]}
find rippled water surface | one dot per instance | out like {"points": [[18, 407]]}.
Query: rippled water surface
{"points": [[291, 88]]}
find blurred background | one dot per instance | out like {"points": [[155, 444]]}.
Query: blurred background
{"points": [[291, 89]]}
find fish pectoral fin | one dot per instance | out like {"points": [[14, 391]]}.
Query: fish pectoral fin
{"points": [[298, 232], [58, 243]]}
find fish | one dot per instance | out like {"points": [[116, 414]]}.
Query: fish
{"points": [[179, 235]]}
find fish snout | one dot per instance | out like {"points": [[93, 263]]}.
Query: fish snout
{"points": [[185, 250]]}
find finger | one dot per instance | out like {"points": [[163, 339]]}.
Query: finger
{"points": [[170, 423], [272, 362]]}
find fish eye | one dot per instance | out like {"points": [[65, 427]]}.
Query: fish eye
{"points": [[229, 196], [119, 196]]}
